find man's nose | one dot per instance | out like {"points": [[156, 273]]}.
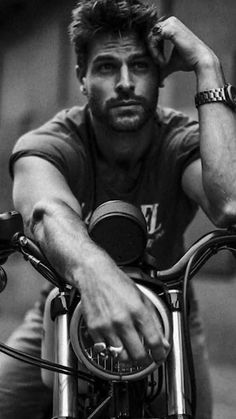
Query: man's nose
{"points": [[125, 82]]}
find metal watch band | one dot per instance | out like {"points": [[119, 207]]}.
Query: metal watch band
{"points": [[209, 96]]}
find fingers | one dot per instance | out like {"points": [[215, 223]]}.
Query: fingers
{"points": [[141, 346], [168, 61], [163, 54], [151, 329], [141, 340], [189, 52], [134, 344], [169, 29], [111, 344], [125, 321], [156, 47], [116, 348]]}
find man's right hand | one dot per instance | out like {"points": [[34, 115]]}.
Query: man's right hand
{"points": [[118, 314]]}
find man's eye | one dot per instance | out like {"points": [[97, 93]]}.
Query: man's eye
{"points": [[106, 68], [140, 65]]}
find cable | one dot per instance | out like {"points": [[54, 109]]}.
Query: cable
{"points": [[45, 271], [43, 363]]}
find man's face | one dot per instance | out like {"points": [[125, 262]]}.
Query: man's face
{"points": [[121, 81]]}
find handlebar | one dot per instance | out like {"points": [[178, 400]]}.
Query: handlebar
{"points": [[12, 239], [206, 246]]}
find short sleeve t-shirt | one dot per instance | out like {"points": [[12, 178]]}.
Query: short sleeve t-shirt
{"points": [[67, 141]]}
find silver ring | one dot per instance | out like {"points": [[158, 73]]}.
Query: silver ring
{"points": [[100, 347], [115, 350], [157, 30]]}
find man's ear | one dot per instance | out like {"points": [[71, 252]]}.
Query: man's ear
{"points": [[80, 73]]}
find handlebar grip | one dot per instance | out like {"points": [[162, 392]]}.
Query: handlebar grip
{"points": [[11, 222]]}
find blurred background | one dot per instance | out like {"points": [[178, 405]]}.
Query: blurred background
{"points": [[37, 79]]}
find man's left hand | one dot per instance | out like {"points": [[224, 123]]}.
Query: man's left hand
{"points": [[189, 53]]}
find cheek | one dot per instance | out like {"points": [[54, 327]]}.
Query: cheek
{"points": [[100, 91], [148, 87], [154, 90]]}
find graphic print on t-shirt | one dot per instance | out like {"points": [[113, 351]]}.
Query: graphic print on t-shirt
{"points": [[154, 226]]}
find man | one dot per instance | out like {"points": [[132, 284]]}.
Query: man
{"points": [[121, 147]]}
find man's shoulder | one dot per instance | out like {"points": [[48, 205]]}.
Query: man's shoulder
{"points": [[69, 119], [177, 128], [167, 116], [66, 131], [65, 124], [76, 114]]}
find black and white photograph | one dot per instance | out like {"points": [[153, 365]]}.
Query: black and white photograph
{"points": [[117, 209]]}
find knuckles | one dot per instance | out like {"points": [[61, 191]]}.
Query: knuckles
{"points": [[172, 20], [107, 324], [102, 326]]}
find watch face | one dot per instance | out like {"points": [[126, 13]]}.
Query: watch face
{"points": [[231, 90]]}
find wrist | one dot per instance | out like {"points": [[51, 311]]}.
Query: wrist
{"points": [[209, 73], [94, 262]]}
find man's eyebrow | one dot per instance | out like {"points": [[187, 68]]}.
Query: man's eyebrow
{"points": [[139, 55], [103, 57], [111, 57]]}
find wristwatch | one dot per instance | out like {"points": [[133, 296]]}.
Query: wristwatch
{"points": [[226, 94]]}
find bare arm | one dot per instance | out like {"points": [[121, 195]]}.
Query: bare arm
{"points": [[113, 307], [211, 182]]}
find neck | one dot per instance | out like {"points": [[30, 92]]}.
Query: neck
{"points": [[125, 150]]}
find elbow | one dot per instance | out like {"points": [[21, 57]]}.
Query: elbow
{"points": [[226, 215], [32, 216], [40, 210]]}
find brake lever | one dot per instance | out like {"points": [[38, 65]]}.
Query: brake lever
{"points": [[24, 244], [35, 256]]}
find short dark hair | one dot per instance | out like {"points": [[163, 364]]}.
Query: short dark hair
{"points": [[93, 17]]}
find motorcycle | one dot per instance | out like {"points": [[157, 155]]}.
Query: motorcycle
{"points": [[88, 384]]}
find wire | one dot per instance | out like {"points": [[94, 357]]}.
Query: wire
{"points": [[43, 363], [45, 271]]}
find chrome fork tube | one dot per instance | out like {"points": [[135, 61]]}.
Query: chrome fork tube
{"points": [[177, 370], [65, 389]]}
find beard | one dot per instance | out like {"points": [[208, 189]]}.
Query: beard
{"points": [[121, 118]]}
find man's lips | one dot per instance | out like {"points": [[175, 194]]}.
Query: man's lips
{"points": [[125, 103]]}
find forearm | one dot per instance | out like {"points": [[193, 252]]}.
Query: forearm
{"points": [[217, 141], [63, 237]]}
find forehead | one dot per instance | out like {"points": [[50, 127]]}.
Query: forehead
{"points": [[117, 46]]}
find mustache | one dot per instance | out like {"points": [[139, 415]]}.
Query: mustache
{"points": [[126, 99]]}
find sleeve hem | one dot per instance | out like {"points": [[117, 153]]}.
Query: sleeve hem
{"points": [[15, 156]]}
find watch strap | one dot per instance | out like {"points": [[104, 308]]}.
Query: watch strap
{"points": [[209, 96]]}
